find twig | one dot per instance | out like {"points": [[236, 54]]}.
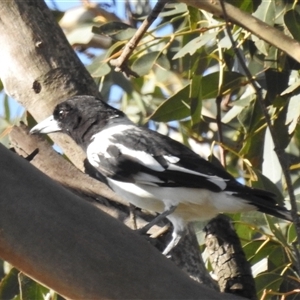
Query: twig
{"points": [[220, 130], [282, 157], [120, 63]]}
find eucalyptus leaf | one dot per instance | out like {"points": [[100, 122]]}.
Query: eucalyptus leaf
{"points": [[292, 22], [172, 9], [9, 285], [271, 167], [116, 30], [291, 234], [178, 106], [267, 281], [31, 289], [196, 43], [293, 113], [143, 64]]}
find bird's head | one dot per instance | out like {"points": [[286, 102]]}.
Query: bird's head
{"points": [[79, 117]]}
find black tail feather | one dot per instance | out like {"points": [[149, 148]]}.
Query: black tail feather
{"points": [[265, 202]]}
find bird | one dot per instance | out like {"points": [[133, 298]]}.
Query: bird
{"points": [[153, 171]]}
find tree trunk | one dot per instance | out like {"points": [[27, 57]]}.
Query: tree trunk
{"points": [[38, 66]]}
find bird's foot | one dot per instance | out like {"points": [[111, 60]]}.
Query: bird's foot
{"points": [[156, 220]]}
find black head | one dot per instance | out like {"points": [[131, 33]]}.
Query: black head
{"points": [[80, 117]]}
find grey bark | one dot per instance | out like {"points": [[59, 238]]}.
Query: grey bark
{"points": [[64, 242], [228, 259]]}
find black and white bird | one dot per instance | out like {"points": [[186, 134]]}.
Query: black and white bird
{"points": [[151, 170]]}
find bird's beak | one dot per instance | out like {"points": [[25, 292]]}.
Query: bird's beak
{"points": [[47, 126]]}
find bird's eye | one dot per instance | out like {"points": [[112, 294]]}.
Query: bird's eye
{"points": [[62, 113]]}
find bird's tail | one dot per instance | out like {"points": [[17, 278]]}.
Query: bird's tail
{"points": [[265, 202]]}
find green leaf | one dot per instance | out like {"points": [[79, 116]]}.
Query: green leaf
{"points": [[292, 22], [174, 108], [143, 64], [237, 107], [264, 183], [276, 230], [291, 234], [163, 62], [172, 9], [271, 167], [6, 108], [30, 289], [195, 44], [244, 231], [267, 281], [99, 67], [195, 96], [177, 107], [194, 15], [266, 12], [81, 35], [116, 30], [292, 88], [293, 113], [9, 286]]}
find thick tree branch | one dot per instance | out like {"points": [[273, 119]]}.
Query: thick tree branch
{"points": [[60, 240], [228, 259], [187, 256]]}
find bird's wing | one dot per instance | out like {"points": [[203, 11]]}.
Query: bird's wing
{"points": [[145, 157], [142, 156]]}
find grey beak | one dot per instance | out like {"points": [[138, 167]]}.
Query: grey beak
{"points": [[47, 126]]}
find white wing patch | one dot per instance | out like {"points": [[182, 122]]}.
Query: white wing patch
{"points": [[142, 157], [171, 159], [143, 178], [218, 181]]}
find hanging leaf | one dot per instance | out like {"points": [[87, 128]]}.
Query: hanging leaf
{"points": [[172, 9], [178, 107], [99, 67], [292, 22], [195, 44], [267, 281], [116, 30], [195, 96], [174, 108], [30, 289], [271, 167], [143, 64], [9, 286], [293, 113]]}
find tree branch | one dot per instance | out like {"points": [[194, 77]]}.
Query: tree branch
{"points": [[121, 62], [257, 27], [63, 242], [228, 259]]}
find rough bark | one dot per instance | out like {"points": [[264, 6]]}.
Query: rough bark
{"points": [[62, 241], [228, 259], [38, 66]]}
